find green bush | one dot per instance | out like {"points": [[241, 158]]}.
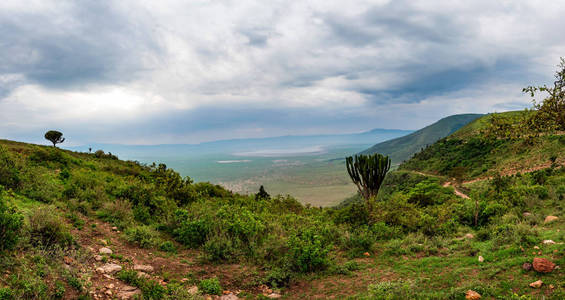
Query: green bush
{"points": [[117, 212], [59, 291], [359, 241], [74, 282], [308, 251], [219, 247], [210, 286], [192, 233], [142, 236], [6, 294], [50, 157], [48, 229], [278, 278], [168, 246], [10, 225], [150, 288], [389, 290], [9, 174]]}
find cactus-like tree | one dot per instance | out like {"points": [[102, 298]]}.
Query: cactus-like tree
{"points": [[368, 173], [54, 137]]}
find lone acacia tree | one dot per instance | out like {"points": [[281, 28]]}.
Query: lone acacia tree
{"points": [[55, 137], [368, 173]]}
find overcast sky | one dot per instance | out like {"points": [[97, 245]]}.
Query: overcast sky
{"points": [[147, 72]]}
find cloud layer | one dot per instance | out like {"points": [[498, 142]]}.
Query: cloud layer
{"points": [[190, 71]]}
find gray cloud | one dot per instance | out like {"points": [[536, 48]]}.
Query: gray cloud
{"points": [[80, 43], [134, 71]]}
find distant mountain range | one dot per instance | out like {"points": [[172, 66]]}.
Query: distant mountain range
{"points": [[402, 148], [282, 144]]}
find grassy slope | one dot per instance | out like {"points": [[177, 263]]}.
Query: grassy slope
{"points": [[401, 149], [465, 156]]}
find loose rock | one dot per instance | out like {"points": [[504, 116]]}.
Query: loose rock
{"points": [[273, 296], [109, 268], [543, 265], [526, 214], [193, 290], [97, 257], [550, 219], [527, 266], [536, 284], [469, 236], [143, 268], [128, 292], [548, 242], [105, 250], [472, 295], [481, 259], [229, 297]]}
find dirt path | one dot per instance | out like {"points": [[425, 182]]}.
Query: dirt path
{"points": [[508, 172], [456, 191]]}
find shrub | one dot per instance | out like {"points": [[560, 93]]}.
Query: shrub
{"points": [[219, 247], [355, 214], [517, 234], [308, 251], [117, 212], [74, 282], [46, 156], [6, 294], [150, 288], [43, 187], [388, 290], [9, 174], [59, 290], [142, 236], [47, 228], [192, 233], [168, 246], [359, 241], [10, 225], [210, 286], [382, 231], [278, 278]]}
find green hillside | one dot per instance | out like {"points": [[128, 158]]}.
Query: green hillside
{"points": [[469, 154], [402, 148]]}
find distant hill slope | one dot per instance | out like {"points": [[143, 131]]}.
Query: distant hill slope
{"points": [[402, 148], [469, 154]]}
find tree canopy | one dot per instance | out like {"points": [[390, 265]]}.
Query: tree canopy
{"points": [[54, 137]]}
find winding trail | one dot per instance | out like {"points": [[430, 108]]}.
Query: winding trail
{"points": [[509, 172]]}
